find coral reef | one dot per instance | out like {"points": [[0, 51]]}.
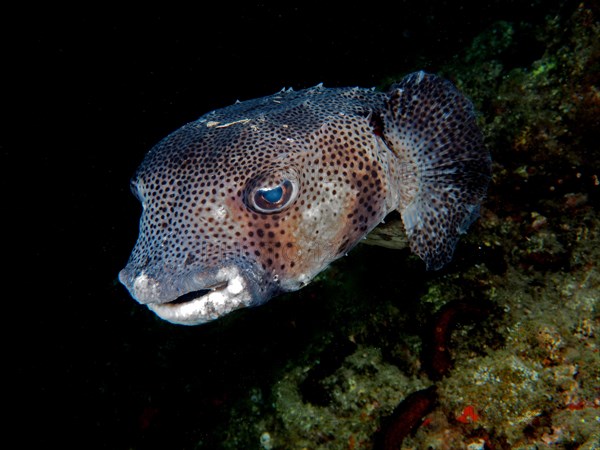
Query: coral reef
{"points": [[527, 377]]}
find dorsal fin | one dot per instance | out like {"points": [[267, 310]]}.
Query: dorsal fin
{"points": [[445, 168]]}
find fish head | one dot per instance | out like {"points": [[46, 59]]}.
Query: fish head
{"points": [[251, 201]]}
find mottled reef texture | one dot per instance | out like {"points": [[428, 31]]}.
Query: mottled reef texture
{"points": [[524, 372]]}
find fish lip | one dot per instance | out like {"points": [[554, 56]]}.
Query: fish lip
{"points": [[227, 290]]}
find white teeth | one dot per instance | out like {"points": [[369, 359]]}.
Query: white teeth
{"points": [[235, 285], [231, 296]]}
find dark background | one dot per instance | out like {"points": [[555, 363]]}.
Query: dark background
{"points": [[87, 92]]}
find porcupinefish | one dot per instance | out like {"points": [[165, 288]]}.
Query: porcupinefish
{"points": [[255, 199]]}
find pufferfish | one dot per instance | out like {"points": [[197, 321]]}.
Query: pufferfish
{"points": [[255, 199]]}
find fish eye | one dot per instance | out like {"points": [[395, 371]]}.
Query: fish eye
{"points": [[271, 199]]}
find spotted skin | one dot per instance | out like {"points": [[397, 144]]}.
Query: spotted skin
{"points": [[446, 166], [257, 198]]}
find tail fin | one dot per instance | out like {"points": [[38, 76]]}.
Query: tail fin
{"points": [[431, 127]]}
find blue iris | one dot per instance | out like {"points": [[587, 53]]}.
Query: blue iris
{"points": [[272, 195]]}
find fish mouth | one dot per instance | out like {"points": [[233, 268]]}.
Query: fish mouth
{"points": [[205, 298]]}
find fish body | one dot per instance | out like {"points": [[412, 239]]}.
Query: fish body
{"points": [[257, 198]]}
